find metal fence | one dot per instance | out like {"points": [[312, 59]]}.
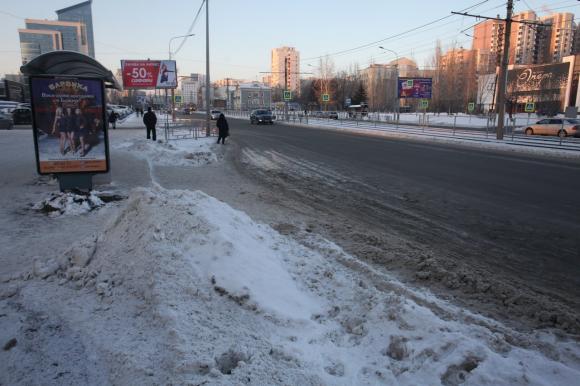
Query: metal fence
{"points": [[470, 127]]}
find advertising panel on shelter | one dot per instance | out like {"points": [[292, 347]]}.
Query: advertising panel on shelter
{"points": [[70, 133], [420, 88], [145, 74]]}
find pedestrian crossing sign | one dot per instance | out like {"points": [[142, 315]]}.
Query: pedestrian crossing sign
{"points": [[530, 107]]}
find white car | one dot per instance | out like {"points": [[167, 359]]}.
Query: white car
{"points": [[215, 114]]}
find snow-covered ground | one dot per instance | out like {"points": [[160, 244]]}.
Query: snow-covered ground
{"points": [[180, 288], [183, 152]]}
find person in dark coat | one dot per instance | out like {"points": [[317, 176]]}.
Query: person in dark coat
{"points": [[223, 129], [113, 119], [150, 120]]}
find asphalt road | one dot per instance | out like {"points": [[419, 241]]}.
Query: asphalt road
{"points": [[515, 215]]}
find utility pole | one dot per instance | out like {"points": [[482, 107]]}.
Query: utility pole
{"points": [[501, 86], [286, 59], [207, 82], [503, 67], [227, 93]]}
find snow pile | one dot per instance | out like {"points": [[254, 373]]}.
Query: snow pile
{"points": [[181, 288], [184, 152], [68, 204]]}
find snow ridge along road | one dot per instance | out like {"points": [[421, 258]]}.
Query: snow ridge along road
{"points": [[187, 290]]}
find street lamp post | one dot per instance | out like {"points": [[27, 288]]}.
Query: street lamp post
{"points": [[324, 88], [173, 90], [396, 108]]}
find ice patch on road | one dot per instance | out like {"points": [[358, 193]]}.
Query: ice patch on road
{"points": [[181, 288], [183, 152]]}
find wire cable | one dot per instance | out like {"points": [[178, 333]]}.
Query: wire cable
{"points": [[190, 29]]}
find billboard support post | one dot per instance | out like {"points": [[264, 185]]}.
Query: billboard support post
{"points": [[82, 182]]}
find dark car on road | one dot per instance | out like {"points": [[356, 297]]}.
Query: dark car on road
{"points": [[261, 116], [22, 116], [326, 114], [6, 122]]}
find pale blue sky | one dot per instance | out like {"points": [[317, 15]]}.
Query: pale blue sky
{"points": [[243, 32]]}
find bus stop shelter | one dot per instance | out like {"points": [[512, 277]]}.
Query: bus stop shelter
{"points": [[45, 76]]}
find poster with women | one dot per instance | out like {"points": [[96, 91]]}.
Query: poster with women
{"points": [[70, 134]]}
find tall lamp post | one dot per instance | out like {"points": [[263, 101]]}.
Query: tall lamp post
{"points": [[396, 108], [324, 88], [173, 90]]}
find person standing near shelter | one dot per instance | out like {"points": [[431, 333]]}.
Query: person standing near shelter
{"points": [[223, 129], [150, 120], [113, 119]]}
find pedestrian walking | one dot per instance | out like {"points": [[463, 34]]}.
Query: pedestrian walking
{"points": [[150, 120], [113, 119], [223, 129]]}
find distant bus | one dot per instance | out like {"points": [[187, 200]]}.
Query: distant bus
{"points": [[357, 111]]}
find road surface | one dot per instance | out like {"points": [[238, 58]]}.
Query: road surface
{"points": [[466, 219]]}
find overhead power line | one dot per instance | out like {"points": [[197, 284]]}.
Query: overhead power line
{"points": [[392, 36], [190, 28]]}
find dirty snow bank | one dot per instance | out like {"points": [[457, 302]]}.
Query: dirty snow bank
{"points": [[180, 288], [73, 203], [183, 152]]}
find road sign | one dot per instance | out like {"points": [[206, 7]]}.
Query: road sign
{"points": [[530, 107], [470, 107], [325, 97], [424, 103], [287, 95], [177, 98]]}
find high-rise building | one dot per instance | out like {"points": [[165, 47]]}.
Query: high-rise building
{"points": [[34, 42], [523, 39], [190, 88], [529, 44], [488, 39], [70, 32], [556, 37], [286, 69], [81, 12]]}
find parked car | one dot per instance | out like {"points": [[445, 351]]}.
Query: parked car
{"points": [[215, 114], [325, 114], [261, 116], [562, 127], [6, 122], [22, 116]]}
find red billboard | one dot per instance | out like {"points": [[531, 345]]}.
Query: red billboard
{"points": [[149, 73]]}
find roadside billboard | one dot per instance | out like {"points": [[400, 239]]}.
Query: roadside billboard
{"points": [[543, 84], [420, 88], [70, 134], [145, 74]]}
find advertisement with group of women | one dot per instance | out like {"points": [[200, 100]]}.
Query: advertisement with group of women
{"points": [[70, 130]]}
